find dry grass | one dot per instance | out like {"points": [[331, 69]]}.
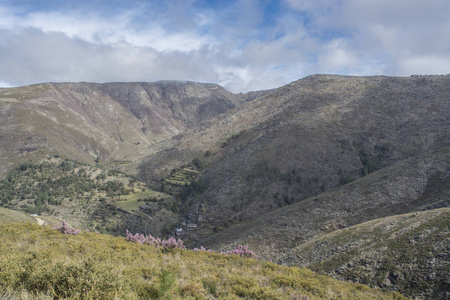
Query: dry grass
{"points": [[41, 261]]}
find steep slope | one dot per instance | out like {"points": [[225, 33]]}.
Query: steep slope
{"points": [[410, 185], [306, 138], [103, 122], [408, 253]]}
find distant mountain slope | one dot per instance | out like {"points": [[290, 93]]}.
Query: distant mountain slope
{"points": [[307, 138], [408, 253], [410, 185], [103, 122]]}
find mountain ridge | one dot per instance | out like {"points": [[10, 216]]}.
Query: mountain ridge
{"points": [[111, 121]]}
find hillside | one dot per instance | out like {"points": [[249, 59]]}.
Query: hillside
{"points": [[41, 260], [408, 253], [102, 122], [406, 186], [85, 196], [12, 216], [311, 137]]}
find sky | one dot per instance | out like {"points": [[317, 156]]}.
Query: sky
{"points": [[242, 45]]}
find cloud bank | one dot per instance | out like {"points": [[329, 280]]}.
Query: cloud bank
{"points": [[243, 45]]}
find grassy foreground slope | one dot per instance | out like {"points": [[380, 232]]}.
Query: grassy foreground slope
{"points": [[37, 259], [408, 253], [12, 216]]}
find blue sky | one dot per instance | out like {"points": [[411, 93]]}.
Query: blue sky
{"points": [[243, 45]]}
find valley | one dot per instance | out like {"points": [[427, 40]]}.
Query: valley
{"points": [[306, 175]]}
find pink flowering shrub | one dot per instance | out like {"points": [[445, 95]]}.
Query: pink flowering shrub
{"points": [[173, 243], [66, 229], [242, 251], [170, 243]]}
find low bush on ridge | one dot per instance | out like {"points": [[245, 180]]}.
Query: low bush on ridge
{"points": [[64, 228], [172, 243]]}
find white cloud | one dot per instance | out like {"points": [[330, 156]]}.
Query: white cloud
{"points": [[337, 56], [423, 65], [5, 84], [233, 44]]}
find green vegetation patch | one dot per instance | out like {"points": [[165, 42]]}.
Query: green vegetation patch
{"points": [[128, 204], [146, 194], [83, 195], [133, 200]]}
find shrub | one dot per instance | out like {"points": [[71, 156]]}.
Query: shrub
{"points": [[168, 244], [66, 229], [78, 280], [242, 251]]}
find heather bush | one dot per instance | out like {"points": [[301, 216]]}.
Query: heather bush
{"points": [[66, 229], [168, 244], [242, 251], [172, 243]]}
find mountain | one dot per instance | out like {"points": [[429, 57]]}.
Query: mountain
{"points": [[272, 169], [320, 154], [310, 137], [406, 186], [102, 122]]}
